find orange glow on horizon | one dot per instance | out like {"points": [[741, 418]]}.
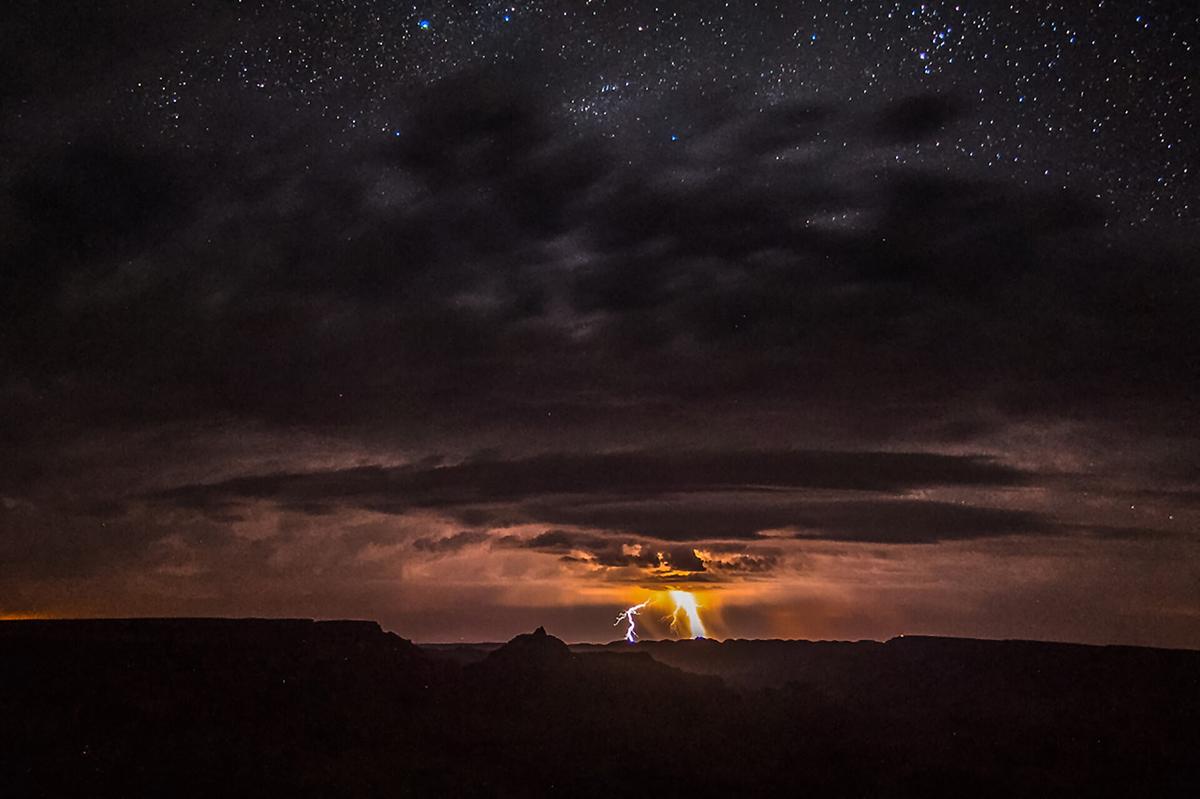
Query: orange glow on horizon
{"points": [[679, 610], [685, 606]]}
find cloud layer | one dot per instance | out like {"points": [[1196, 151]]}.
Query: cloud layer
{"points": [[528, 353]]}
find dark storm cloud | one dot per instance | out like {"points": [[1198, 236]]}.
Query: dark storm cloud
{"points": [[632, 475], [451, 543], [916, 522], [752, 260], [744, 564], [745, 517], [915, 118], [744, 271], [675, 497], [606, 550], [492, 271]]}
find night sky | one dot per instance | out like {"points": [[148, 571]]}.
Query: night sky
{"points": [[854, 319]]}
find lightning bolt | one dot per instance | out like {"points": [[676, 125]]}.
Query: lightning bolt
{"points": [[686, 612], [685, 604], [627, 615]]}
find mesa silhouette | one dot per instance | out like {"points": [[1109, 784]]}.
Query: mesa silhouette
{"points": [[190, 707]]}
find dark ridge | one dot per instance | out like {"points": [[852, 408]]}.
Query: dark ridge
{"points": [[532, 650], [275, 642], [763, 662], [204, 707], [184, 628], [462, 654]]}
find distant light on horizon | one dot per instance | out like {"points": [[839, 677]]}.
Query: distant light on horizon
{"points": [[685, 603]]}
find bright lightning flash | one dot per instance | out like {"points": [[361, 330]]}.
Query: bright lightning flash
{"points": [[685, 607], [685, 604], [628, 614]]}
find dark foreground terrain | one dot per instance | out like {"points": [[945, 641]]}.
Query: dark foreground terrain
{"points": [[210, 707]]}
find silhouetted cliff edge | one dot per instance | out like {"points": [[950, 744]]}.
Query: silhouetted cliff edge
{"points": [[220, 707]]}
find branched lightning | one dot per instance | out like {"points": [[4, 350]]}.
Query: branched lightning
{"points": [[685, 608], [628, 614]]}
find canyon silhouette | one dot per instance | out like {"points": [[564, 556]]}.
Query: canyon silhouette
{"points": [[202, 707]]}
